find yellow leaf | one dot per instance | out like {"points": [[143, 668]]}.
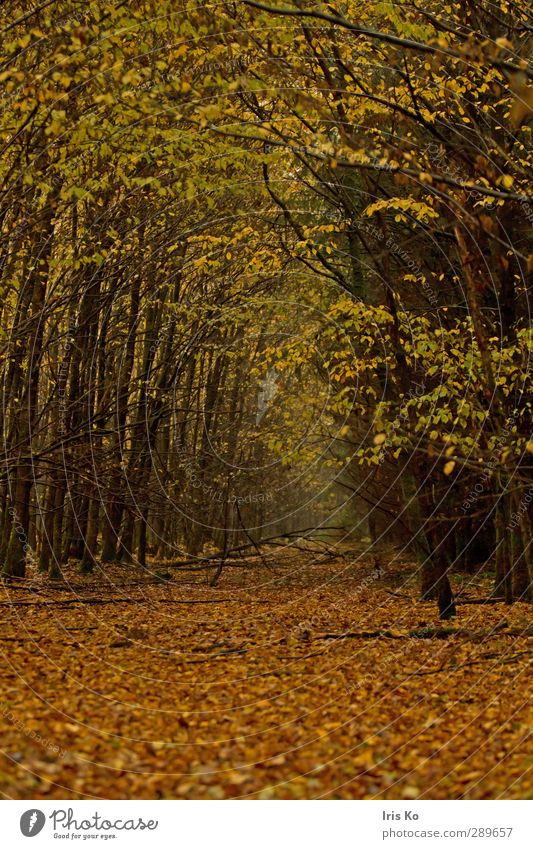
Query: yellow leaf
{"points": [[449, 467], [379, 438], [522, 108]]}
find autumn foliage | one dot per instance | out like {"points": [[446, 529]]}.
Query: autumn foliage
{"points": [[265, 338]]}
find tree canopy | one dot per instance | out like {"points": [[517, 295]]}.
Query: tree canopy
{"points": [[265, 277]]}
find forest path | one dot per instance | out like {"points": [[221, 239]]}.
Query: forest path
{"points": [[126, 689]]}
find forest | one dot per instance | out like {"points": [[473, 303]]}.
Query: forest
{"points": [[266, 396]]}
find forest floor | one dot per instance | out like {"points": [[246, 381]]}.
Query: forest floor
{"points": [[314, 677]]}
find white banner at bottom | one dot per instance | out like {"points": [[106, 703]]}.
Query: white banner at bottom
{"points": [[268, 825]]}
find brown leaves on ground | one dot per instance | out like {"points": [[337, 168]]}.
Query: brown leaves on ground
{"points": [[116, 688]]}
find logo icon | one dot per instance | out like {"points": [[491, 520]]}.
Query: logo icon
{"points": [[32, 822]]}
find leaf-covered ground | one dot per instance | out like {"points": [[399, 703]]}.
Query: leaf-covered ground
{"points": [[122, 686]]}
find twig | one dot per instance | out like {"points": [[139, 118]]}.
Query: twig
{"points": [[492, 600], [480, 659], [21, 639], [430, 633], [69, 601], [401, 595]]}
